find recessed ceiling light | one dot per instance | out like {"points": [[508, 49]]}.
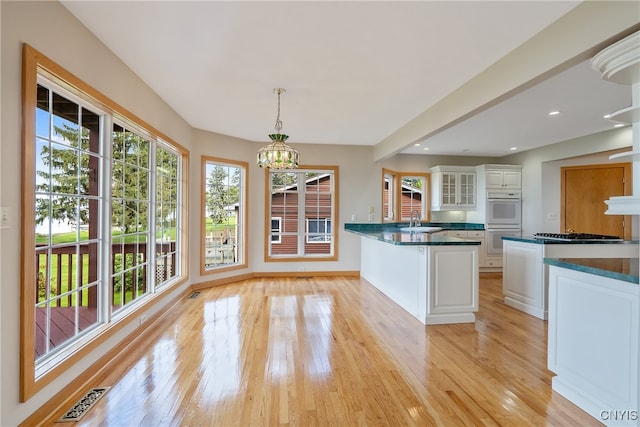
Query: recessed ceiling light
{"points": [[554, 113], [426, 148], [417, 144], [513, 148], [606, 116], [618, 125]]}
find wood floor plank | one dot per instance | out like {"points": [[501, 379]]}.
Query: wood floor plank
{"points": [[332, 351]]}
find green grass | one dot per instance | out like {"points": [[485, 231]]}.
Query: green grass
{"points": [[70, 238]]}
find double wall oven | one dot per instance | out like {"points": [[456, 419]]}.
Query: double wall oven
{"points": [[503, 218]]}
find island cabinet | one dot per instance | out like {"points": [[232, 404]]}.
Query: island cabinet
{"points": [[437, 284], [477, 235], [593, 344], [525, 277], [453, 188]]}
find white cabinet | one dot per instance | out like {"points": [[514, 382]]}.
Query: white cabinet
{"points": [[452, 284], [477, 235], [503, 179], [492, 261], [437, 284], [593, 344], [525, 277], [453, 188]]}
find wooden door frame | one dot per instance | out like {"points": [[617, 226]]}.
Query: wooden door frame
{"points": [[627, 190]]}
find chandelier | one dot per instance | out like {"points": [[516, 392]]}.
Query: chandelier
{"points": [[278, 155]]}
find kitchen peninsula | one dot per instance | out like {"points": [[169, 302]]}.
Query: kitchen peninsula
{"points": [[432, 276], [525, 277], [594, 312]]}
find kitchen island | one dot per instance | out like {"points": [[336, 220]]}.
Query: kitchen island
{"points": [[432, 276], [525, 277], [593, 341]]}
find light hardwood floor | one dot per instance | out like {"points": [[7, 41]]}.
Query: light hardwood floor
{"points": [[332, 352]]}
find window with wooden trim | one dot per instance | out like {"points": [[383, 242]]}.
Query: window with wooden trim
{"points": [[413, 195], [304, 202], [389, 198], [224, 196], [103, 211], [404, 193]]}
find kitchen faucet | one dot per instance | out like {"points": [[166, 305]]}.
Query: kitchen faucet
{"points": [[415, 214]]}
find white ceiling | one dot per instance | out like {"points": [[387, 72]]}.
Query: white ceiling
{"points": [[354, 72]]}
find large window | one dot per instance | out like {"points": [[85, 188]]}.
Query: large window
{"points": [[403, 194], [303, 208], [389, 202], [414, 196], [102, 217], [224, 211], [69, 163]]}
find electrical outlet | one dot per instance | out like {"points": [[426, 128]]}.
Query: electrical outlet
{"points": [[143, 318], [4, 217], [300, 268]]}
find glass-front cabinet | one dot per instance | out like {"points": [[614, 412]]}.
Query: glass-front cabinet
{"points": [[453, 188]]}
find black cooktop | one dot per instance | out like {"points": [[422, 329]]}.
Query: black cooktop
{"points": [[576, 236]]}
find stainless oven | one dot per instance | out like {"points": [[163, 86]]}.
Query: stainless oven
{"points": [[504, 209], [493, 239]]}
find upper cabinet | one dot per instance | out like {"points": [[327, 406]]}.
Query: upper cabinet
{"points": [[503, 179], [499, 177], [453, 188]]}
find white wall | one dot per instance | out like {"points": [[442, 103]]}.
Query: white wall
{"points": [[541, 174], [356, 172]]}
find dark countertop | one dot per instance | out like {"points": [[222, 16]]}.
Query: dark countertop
{"points": [[531, 239], [390, 233], [624, 269]]}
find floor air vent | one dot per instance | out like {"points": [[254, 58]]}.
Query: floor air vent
{"points": [[194, 295], [82, 407]]}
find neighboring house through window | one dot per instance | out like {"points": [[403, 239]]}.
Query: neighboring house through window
{"points": [[303, 206]]}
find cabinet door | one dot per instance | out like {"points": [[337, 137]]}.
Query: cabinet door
{"points": [[467, 189], [512, 180], [494, 179], [462, 234], [448, 188]]}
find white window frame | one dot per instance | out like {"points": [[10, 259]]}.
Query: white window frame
{"points": [[326, 237], [278, 236], [302, 228]]}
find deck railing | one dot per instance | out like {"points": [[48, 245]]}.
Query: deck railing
{"points": [[67, 278]]}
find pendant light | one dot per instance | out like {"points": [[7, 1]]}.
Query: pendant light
{"points": [[278, 155]]}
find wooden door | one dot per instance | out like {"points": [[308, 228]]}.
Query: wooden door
{"points": [[584, 190]]}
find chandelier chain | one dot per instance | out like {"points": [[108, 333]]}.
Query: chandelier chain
{"points": [[278, 121]]}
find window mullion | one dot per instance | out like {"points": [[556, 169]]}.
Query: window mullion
{"points": [[302, 223], [179, 210], [151, 218], [106, 266]]}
